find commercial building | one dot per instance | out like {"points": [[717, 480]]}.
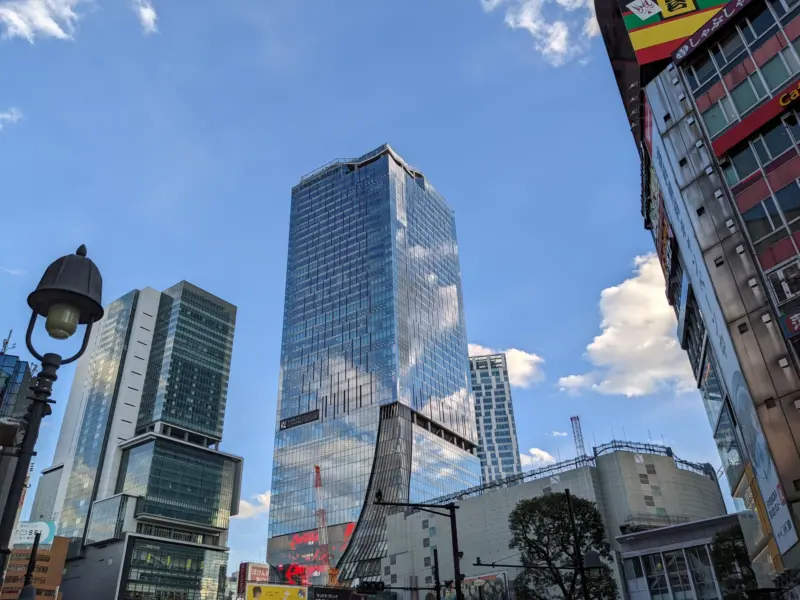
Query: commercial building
{"points": [[498, 448], [635, 486], [712, 114], [47, 570], [681, 561], [138, 484], [374, 382]]}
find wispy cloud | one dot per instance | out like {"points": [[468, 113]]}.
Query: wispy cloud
{"points": [[31, 19], [560, 29], [559, 434], [257, 506], [524, 368], [147, 15], [12, 115], [536, 458], [12, 272], [637, 352]]}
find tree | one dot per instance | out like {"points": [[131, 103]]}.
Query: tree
{"points": [[732, 563], [541, 532]]}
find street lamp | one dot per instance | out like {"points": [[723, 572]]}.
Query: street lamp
{"points": [[69, 294]]}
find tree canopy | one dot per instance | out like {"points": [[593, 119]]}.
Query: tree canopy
{"points": [[541, 532]]}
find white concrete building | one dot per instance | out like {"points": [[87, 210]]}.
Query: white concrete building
{"points": [[636, 487]]}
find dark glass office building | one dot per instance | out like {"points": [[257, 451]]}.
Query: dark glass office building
{"points": [[138, 480], [374, 383]]}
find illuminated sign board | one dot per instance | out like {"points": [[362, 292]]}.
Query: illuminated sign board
{"points": [[657, 28], [298, 557], [308, 417]]}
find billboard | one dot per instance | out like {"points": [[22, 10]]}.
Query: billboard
{"points": [[719, 338], [25, 533], [658, 27], [298, 557], [266, 591], [250, 572]]}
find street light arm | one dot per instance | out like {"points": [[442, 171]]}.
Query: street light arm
{"points": [[521, 566], [424, 507]]}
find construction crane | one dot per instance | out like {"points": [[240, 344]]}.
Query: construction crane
{"points": [[577, 434], [323, 544]]}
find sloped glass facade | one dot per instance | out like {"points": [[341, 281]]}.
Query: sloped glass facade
{"points": [[373, 316]]}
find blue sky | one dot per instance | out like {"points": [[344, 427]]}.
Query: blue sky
{"points": [[167, 137]]}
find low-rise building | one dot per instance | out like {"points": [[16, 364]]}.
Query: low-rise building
{"points": [[47, 570], [677, 562], [635, 486]]}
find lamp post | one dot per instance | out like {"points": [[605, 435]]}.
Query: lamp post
{"points": [[451, 514], [69, 294]]}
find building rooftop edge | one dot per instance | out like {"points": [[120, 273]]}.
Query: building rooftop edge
{"points": [[379, 151], [687, 525]]}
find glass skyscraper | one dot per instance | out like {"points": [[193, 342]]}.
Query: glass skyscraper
{"points": [[497, 431], [374, 382], [138, 480]]}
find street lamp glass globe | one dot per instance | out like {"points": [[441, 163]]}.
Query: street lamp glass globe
{"points": [[62, 321]]}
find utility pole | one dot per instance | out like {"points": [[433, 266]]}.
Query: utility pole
{"points": [[32, 559], [577, 551], [436, 583], [451, 508]]}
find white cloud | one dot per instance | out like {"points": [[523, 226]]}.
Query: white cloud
{"points": [[559, 434], [13, 272], [637, 352], [31, 19], [10, 116], [259, 505], [524, 368], [147, 15], [536, 458], [560, 28]]}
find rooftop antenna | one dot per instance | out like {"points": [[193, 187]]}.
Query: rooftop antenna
{"points": [[7, 345], [624, 435], [612, 434], [663, 443], [649, 437], [577, 434]]}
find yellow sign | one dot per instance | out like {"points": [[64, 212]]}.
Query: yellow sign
{"points": [[266, 591], [673, 8]]}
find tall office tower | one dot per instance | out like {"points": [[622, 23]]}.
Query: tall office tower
{"points": [[138, 483], [374, 385], [711, 105], [498, 448]]}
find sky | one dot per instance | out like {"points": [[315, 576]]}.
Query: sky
{"points": [[166, 136]]}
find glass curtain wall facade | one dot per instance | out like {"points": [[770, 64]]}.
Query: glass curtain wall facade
{"points": [[142, 462], [494, 413], [14, 377], [189, 368], [101, 394], [373, 316]]}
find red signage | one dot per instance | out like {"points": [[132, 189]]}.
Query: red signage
{"points": [[757, 119], [241, 584], [730, 10]]}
